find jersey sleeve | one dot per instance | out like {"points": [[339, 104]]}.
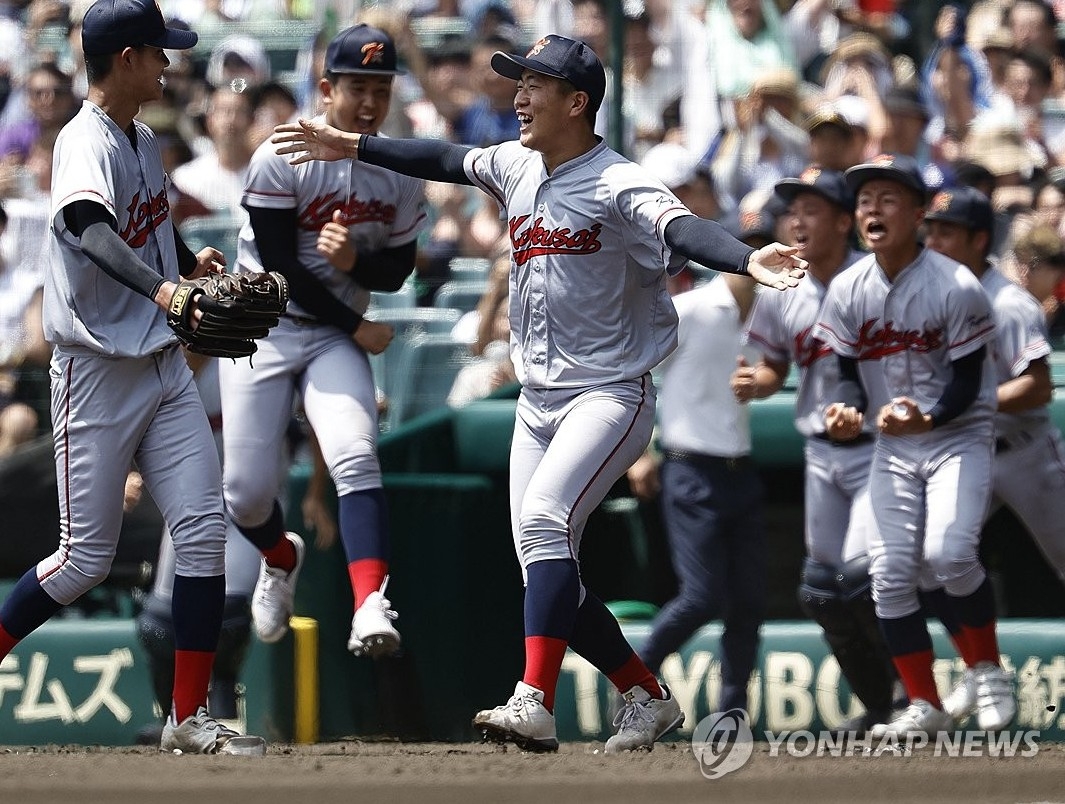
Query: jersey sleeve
{"points": [[765, 328], [271, 181], [645, 209], [969, 321], [411, 217], [488, 168], [83, 169], [1020, 332], [836, 322]]}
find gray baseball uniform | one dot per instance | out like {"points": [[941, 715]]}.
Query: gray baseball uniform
{"points": [[929, 491], [109, 413], [781, 326], [1029, 469], [381, 209], [590, 316]]}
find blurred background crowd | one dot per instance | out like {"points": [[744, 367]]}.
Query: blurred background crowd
{"points": [[720, 99]]}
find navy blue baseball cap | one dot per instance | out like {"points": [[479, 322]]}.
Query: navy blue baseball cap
{"points": [[558, 57], [110, 26], [965, 206], [362, 49], [891, 167], [829, 184]]}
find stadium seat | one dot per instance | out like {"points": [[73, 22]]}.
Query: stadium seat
{"points": [[405, 298], [427, 371], [219, 231], [460, 295], [465, 269]]}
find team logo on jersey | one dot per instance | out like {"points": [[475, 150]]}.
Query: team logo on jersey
{"points": [[809, 350], [319, 211], [144, 217], [536, 241], [535, 49], [373, 53], [874, 344]]}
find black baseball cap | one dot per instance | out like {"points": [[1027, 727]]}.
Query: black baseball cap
{"points": [[962, 205], [559, 57], [109, 26], [362, 49], [829, 184], [892, 167]]}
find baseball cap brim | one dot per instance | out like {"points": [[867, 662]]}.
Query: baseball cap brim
{"points": [[175, 39], [789, 189], [857, 176], [513, 66], [345, 71]]}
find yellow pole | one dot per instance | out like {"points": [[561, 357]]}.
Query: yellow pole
{"points": [[305, 672]]}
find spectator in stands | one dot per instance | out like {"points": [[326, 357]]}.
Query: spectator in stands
{"points": [[1050, 200], [26, 145], [239, 62], [767, 145], [907, 120], [833, 145], [489, 118], [857, 77], [1038, 257], [22, 343], [648, 88], [216, 179], [492, 369], [747, 39], [1027, 85], [272, 103]]}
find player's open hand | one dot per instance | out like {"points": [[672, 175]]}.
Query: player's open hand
{"points": [[843, 422], [334, 243], [776, 266], [374, 336], [901, 416], [310, 140], [644, 479]]}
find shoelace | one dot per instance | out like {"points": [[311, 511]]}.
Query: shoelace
{"points": [[634, 715], [519, 703], [386, 604]]}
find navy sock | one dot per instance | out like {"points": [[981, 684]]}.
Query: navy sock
{"points": [[266, 535], [363, 519], [27, 607], [597, 636], [978, 609], [197, 609], [937, 603], [551, 595], [905, 635]]}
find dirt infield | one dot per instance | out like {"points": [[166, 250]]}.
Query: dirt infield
{"points": [[436, 772]]}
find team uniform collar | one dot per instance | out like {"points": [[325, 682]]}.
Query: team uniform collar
{"points": [[577, 162]]}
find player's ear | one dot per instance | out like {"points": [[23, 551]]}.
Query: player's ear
{"points": [[579, 103], [325, 86]]}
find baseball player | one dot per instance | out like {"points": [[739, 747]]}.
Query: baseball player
{"points": [[336, 232], [834, 590], [121, 390], [927, 323], [592, 238], [1029, 465]]}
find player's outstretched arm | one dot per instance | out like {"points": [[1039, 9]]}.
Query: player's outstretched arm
{"points": [[708, 243], [434, 160]]}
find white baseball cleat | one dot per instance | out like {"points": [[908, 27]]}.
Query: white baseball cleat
{"points": [[919, 718], [996, 704], [272, 603], [643, 719], [202, 734], [962, 699], [523, 720], [372, 632]]}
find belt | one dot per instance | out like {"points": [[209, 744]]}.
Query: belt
{"points": [[1015, 441], [301, 321], [732, 464], [862, 438]]}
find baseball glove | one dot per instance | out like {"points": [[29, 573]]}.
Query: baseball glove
{"points": [[237, 309]]}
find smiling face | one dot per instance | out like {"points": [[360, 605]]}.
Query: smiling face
{"points": [[545, 106], [888, 216], [356, 102], [148, 65]]}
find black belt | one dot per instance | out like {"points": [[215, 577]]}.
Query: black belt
{"points": [[710, 461], [861, 438], [301, 321], [1016, 441]]}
